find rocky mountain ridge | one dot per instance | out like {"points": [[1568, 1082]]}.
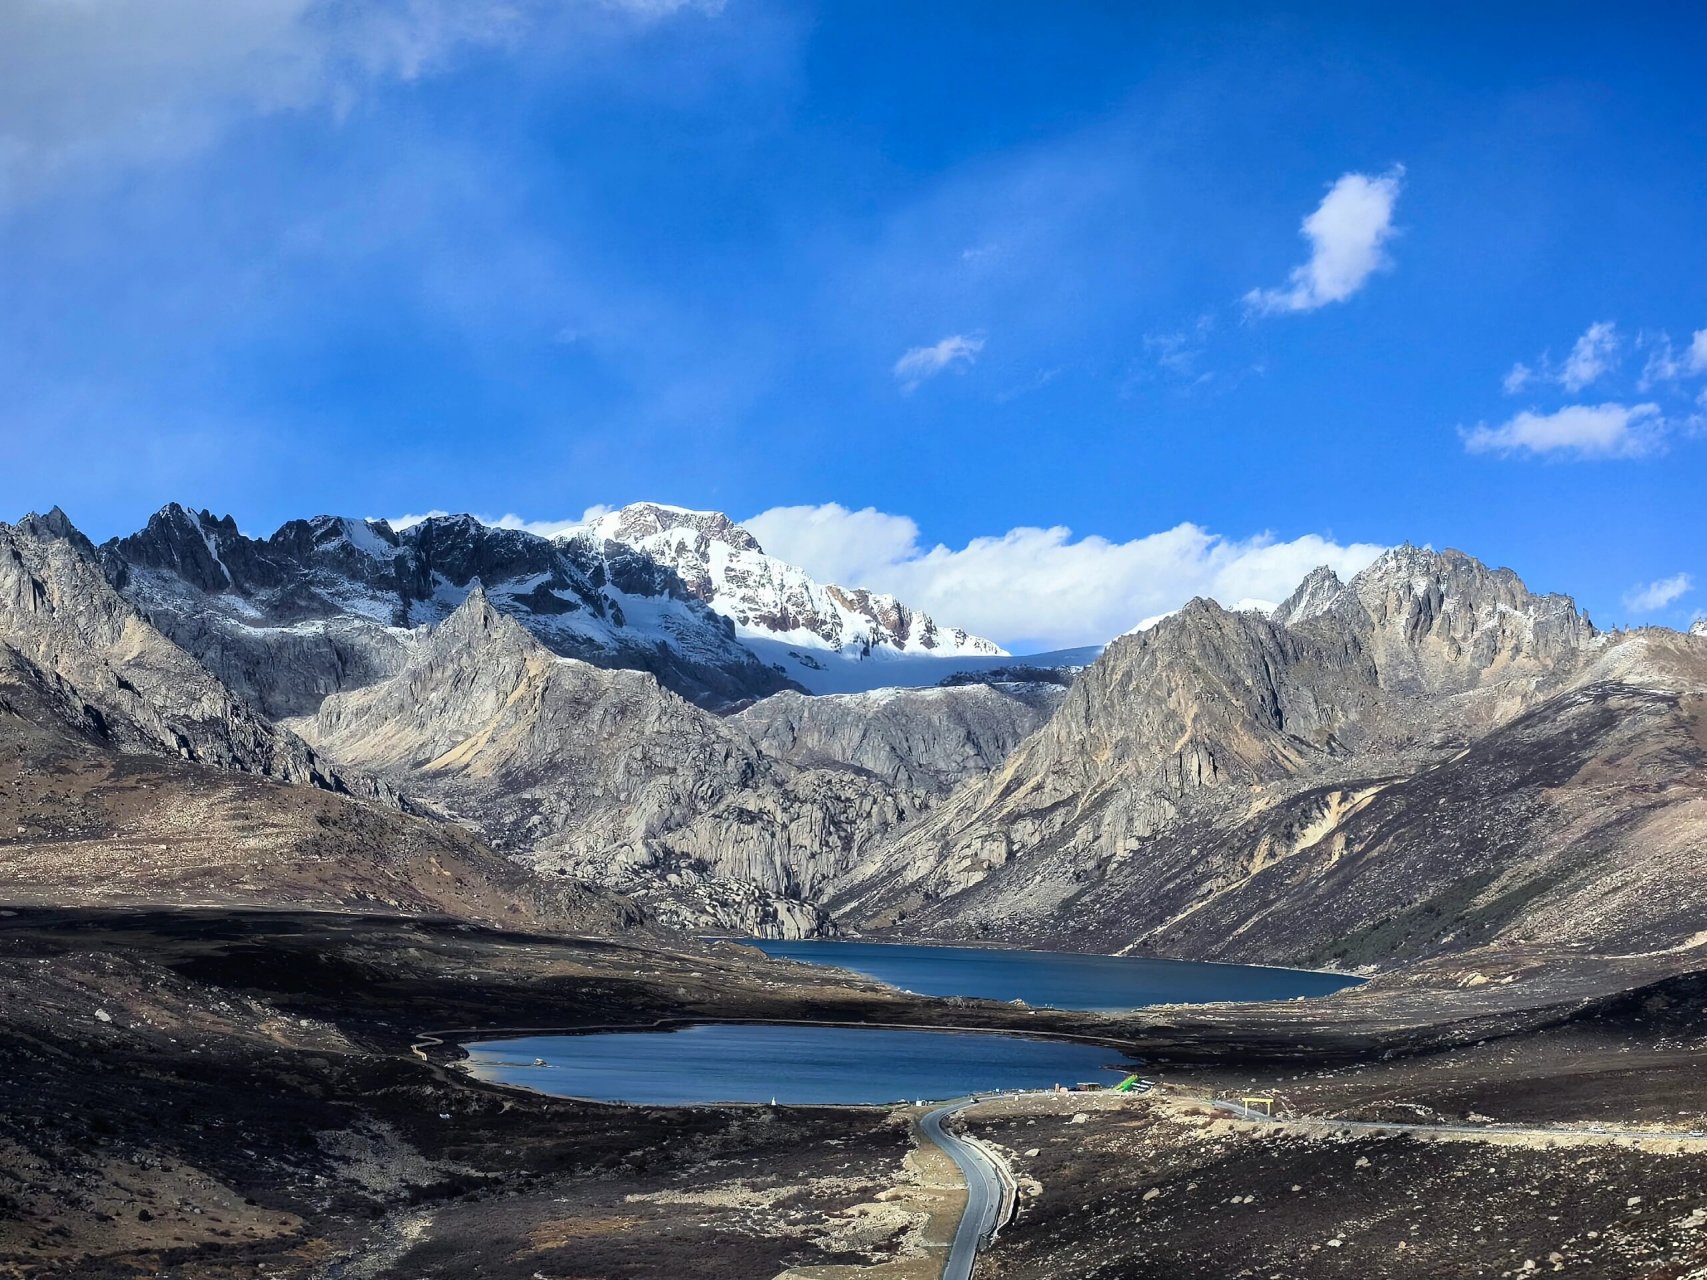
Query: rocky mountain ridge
{"points": [[129, 774], [1375, 769], [327, 604], [722, 564], [117, 678], [1427, 754], [605, 775]]}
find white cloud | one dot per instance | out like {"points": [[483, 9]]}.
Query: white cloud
{"points": [[1592, 355], [543, 528], [1519, 377], [1666, 364], [1180, 352], [1347, 234], [90, 87], [955, 351], [1042, 378], [1657, 595], [835, 544], [1032, 589], [403, 522], [1578, 430]]}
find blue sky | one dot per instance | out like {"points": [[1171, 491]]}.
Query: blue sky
{"points": [[1010, 309]]}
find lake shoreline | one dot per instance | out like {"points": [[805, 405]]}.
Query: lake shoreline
{"points": [[958, 945], [792, 1064], [1069, 981]]}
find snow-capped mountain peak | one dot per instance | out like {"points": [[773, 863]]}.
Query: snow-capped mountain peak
{"points": [[770, 600], [687, 595], [639, 521]]}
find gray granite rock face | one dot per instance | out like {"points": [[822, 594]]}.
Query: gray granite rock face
{"points": [[122, 681], [1313, 595], [608, 776], [928, 740], [1181, 735], [1428, 756]]}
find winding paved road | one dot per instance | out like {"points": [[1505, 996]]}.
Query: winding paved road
{"points": [[983, 1192]]}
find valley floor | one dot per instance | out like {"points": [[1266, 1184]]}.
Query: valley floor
{"points": [[218, 1094], [1164, 1189]]}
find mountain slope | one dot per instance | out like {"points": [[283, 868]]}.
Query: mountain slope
{"points": [[128, 774], [609, 776], [118, 677], [326, 604], [86, 825], [1580, 823], [1230, 785], [921, 739]]}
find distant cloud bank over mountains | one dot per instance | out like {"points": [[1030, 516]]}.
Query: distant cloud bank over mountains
{"points": [[1046, 588], [1028, 589]]}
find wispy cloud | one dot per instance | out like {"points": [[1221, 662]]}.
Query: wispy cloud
{"points": [[1592, 355], [1032, 588], [1657, 595], [1517, 378], [919, 364], [1667, 364], [1348, 233], [96, 88], [1042, 378], [1579, 431], [1179, 352]]}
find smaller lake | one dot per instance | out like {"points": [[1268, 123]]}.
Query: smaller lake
{"points": [[1057, 979], [796, 1066]]}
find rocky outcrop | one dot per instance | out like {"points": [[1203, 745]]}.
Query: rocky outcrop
{"points": [[927, 740], [116, 678], [1313, 596], [608, 776], [83, 823], [132, 775], [1443, 623]]}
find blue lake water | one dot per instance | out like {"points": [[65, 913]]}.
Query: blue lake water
{"points": [[794, 1065], [1058, 979]]}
